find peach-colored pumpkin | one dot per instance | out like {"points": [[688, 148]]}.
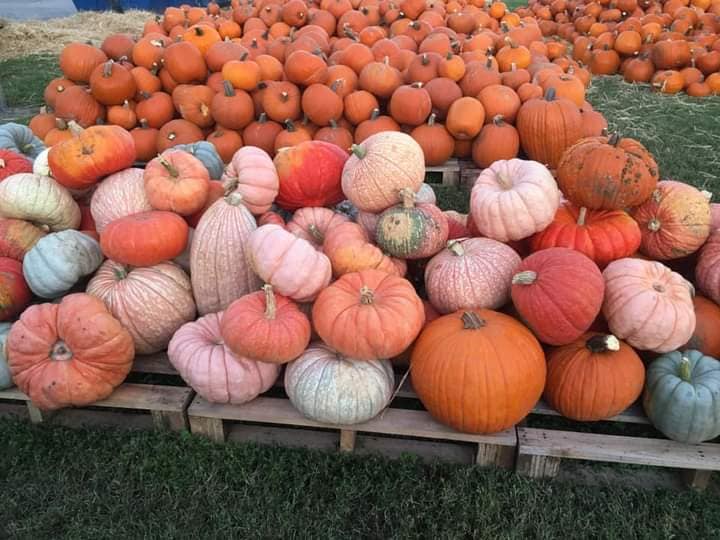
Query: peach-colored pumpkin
{"points": [[648, 305], [313, 223], [471, 273], [252, 174], [513, 199], [349, 250], [707, 271], [290, 264], [212, 370], [119, 195]]}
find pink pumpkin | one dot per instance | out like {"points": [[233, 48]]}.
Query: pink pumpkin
{"points": [[119, 195], [714, 216], [312, 224], [252, 174], [368, 221], [471, 273], [648, 305], [513, 199], [707, 271], [212, 370], [290, 264]]}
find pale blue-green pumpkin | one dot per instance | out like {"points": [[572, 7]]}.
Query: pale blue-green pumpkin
{"points": [[21, 139], [207, 154], [682, 396], [5, 376]]}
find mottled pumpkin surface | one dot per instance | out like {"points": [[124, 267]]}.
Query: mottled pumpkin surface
{"points": [[412, 231]]}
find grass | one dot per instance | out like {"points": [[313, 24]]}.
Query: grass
{"points": [[24, 79]]}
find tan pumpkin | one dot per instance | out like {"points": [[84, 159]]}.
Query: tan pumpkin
{"points": [[40, 200]]}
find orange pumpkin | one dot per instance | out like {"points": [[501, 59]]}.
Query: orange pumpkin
{"points": [[705, 338], [177, 181], [497, 140], [349, 250], [112, 84]]}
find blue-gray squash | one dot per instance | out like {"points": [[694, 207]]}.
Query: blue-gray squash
{"points": [[207, 154], [682, 396], [59, 260], [21, 139], [5, 376]]}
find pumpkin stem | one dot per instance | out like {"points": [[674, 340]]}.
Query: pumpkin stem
{"points": [[498, 120], [75, 128], [168, 166], [107, 69], [228, 87], [614, 139], [550, 94], [284, 96], [262, 119], [504, 181], [375, 114], [658, 287], [60, 352], [366, 295], [526, 277], [199, 31], [431, 119], [316, 233], [424, 60], [289, 126], [358, 150], [705, 193], [333, 123], [408, 198], [270, 305], [2, 163], [472, 321], [581, 216], [654, 225], [603, 343], [684, 369], [455, 247], [234, 199], [120, 272]]}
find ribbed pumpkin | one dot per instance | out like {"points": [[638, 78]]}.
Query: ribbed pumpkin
{"points": [[558, 292], [151, 303], [177, 182], [212, 370], [607, 173], [349, 249], [471, 273], [682, 396], [119, 195], [288, 263], [14, 292], [252, 175], [313, 224], [331, 388], [265, 326], [219, 266], [5, 375], [368, 315], [17, 237], [411, 231], [514, 199], [707, 271], [59, 363], [593, 378], [648, 305], [706, 337], [20, 139], [40, 200], [674, 221], [59, 260], [208, 156], [467, 360], [602, 235]]}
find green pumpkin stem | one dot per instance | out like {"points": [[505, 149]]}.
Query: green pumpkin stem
{"points": [[581, 216], [472, 321], [603, 343], [431, 119], [120, 272], [527, 277], [455, 247], [366, 295], [270, 305], [684, 369], [228, 88], [358, 150], [168, 166], [550, 94]]}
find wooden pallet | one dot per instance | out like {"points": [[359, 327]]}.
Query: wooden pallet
{"points": [[450, 171], [468, 175]]}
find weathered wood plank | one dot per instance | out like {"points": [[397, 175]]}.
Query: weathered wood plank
{"points": [[212, 428], [450, 171], [148, 397], [696, 479], [157, 363], [538, 466], [632, 415], [347, 440]]}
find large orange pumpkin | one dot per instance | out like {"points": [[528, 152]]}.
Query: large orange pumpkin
{"points": [[706, 337]]}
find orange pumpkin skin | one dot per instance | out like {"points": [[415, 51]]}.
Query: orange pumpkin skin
{"points": [[177, 181], [593, 378], [17, 237], [368, 315], [471, 358], [145, 239], [265, 326], [706, 337], [98, 151], [15, 294], [349, 250], [58, 361]]}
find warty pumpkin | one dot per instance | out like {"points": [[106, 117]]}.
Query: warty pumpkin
{"points": [[176, 181], [705, 338], [15, 294], [39, 200], [252, 175]]}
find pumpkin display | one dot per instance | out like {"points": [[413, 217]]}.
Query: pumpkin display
{"points": [[151, 303], [119, 195], [59, 363], [648, 305], [558, 292], [251, 174], [20, 139], [17, 237], [177, 182], [78, 60], [595, 377], [436, 142], [681, 396], [602, 235], [5, 375], [205, 363], [368, 315], [674, 221], [607, 173], [40, 200], [331, 388], [705, 338], [349, 249], [313, 224], [111, 83], [471, 273], [467, 359], [208, 156], [219, 266], [265, 326], [514, 199], [497, 141], [13, 163], [14, 292], [707, 271], [290, 264], [145, 239]]}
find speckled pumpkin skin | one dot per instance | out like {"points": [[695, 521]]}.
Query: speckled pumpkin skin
{"points": [[40, 200], [119, 195], [17, 237], [413, 232], [313, 224]]}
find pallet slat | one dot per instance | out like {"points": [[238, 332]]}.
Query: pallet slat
{"points": [[154, 363]]}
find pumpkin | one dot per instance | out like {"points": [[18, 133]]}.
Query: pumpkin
{"points": [[707, 271], [328, 387], [233, 109], [349, 249], [208, 156], [412, 231], [119, 195], [321, 103], [281, 101], [13, 163], [607, 173], [205, 363], [156, 109], [111, 83], [151, 303], [178, 132], [145, 239], [465, 118], [176, 181], [145, 139], [17, 237], [436, 142], [513, 199], [40, 165], [547, 127], [464, 361], [602, 235], [595, 377], [20, 139], [410, 104], [309, 174], [5, 375], [314, 223], [379, 167], [59, 363], [558, 292], [193, 102], [266, 327], [358, 106], [671, 54], [59, 260], [471, 273], [648, 305], [40, 200], [219, 266], [288, 263], [500, 100], [14, 292], [184, 63], [368, 315], [95, 152], [497, 141], [674, 221], [377, 123], [705, 338], [226, 143], [681, 396], [78, 60], [251, 174]]}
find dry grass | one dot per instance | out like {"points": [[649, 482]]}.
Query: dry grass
{"points": [[25, 38]]}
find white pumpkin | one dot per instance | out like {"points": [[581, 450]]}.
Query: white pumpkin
{"points": [[5, 375], [328, 387], [58, 261], [40, 200], [119, 195], [513, 199], [41, 165]]}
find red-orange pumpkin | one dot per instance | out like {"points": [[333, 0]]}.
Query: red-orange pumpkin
{"points": [[177, 181], [706, 337], [15, 294]]}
